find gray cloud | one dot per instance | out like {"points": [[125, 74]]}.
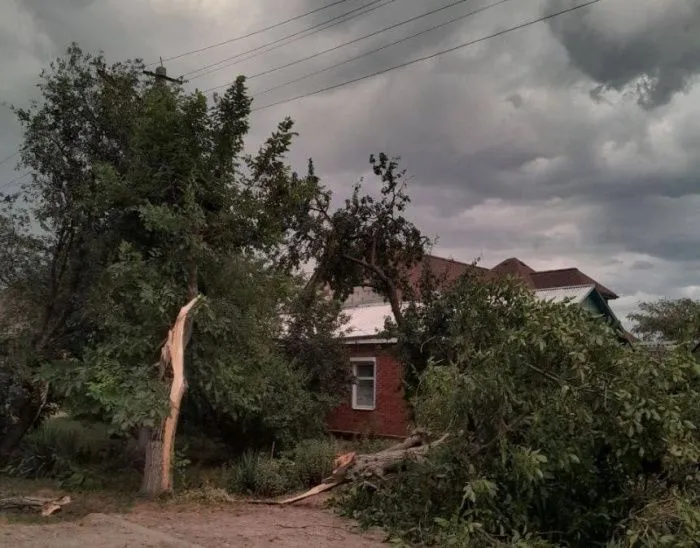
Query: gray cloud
{"points": [[646, 47]]}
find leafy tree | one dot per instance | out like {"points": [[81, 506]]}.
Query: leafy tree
{"points": [[83, 119], [560, 436], [668, 320], [146, 199]]}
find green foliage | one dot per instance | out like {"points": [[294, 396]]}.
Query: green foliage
{"points": [[668, 320], [368, 242], [146, 199], [260, 475], [84, 118], [310, 341], [79, 455], [264, 475], [312, 461], [560, 434]]}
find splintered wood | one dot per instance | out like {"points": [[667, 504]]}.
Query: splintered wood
{"points": [[45, 506], [351, 466]]}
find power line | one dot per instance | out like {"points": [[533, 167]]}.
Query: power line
{"points": [[353, 13], [431, 56], [370, 52], [354, 41], [8, 158], [243, 36]]}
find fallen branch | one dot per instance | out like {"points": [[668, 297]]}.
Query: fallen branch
{"points": [[352, 467], [46, 506]]}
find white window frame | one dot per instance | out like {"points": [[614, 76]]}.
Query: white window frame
{"points": [[364, 361]]}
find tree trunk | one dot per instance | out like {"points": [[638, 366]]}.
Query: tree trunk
{"points": [[152, 483], [160, 448], [16, 431]]}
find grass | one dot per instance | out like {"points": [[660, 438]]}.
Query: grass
{"points": [[306, 465], [67, 457]]}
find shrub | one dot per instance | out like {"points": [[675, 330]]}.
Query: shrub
{"points": [[560, 435], [260, 475], [76, 453], [312, 461]]}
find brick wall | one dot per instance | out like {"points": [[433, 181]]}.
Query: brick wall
{"points": [[390, 416]]}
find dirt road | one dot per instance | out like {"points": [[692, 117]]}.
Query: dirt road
{"points": [[188, 526]]}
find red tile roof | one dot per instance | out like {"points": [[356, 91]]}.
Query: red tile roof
{"points": [[517, 268], [440, 267], [544, 279], [568, 277]]}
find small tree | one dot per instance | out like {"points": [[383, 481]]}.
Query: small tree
{"points": [[84, 118], [668, 320]]}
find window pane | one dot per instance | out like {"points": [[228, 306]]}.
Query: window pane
{"points": [[364, 394], [364, 370]]}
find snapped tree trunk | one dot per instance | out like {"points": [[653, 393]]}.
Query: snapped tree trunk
{"points": [[160, 445]]}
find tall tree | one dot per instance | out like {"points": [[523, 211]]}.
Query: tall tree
{"points": [[84, 117], [145, 198], [674, 320]]}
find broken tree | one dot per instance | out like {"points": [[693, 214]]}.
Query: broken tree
{"points": [[352, 467], [157, 473]]}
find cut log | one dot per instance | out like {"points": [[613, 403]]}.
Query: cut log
{"points": [[352, 467], [46, 506]]}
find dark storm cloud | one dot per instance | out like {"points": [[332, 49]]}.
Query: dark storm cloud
{"points": [[647, 47], [509, 152]]}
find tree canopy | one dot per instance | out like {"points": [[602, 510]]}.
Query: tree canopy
{"points": [[144, 197], [671, 320]]}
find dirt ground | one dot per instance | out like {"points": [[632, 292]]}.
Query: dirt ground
{"points": [[189, 525]]}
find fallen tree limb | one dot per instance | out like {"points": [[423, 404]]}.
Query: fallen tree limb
{"points": [[46, 506], [352, 467]]}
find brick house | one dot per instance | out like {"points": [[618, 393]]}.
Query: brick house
{"points": [[376, 405]]}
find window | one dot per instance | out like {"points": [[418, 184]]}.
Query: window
{"points": [[364, 388]]}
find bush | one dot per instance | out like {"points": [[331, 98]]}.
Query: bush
{"points": [[560, 435], [311, 461], [76, 453], [260, 475]]}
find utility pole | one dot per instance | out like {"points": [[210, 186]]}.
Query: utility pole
{"points": [[161, 75]]}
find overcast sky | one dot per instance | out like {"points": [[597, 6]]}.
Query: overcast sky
{"points": [[573, 142]]}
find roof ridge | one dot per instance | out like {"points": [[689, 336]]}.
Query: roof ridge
{"points": [[449, 260], [559, 270], [576, 286]]}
